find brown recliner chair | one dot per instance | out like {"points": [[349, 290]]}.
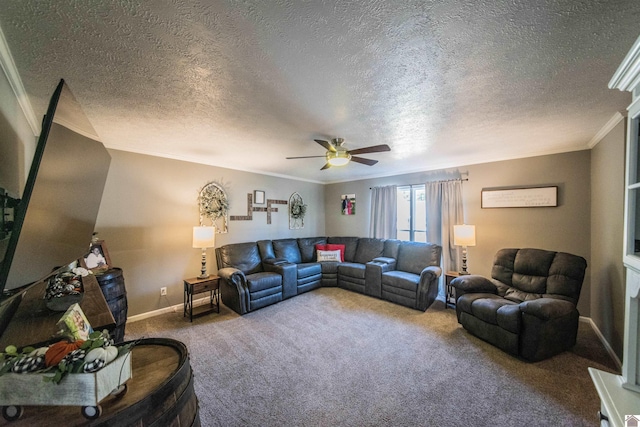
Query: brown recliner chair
{"points": [[528, 307]]}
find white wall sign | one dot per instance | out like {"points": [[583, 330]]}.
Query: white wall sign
{"points": [[534, 197]]}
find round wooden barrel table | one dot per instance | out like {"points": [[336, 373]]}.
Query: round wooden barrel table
{"points": [[159, 393]]}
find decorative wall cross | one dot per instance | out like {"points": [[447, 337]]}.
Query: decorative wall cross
{"points": [[251, 209]]}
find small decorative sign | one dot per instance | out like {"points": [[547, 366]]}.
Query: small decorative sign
{"points": [[532, 197]]}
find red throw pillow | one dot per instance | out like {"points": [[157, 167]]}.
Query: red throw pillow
{"points": [[332, 247]]}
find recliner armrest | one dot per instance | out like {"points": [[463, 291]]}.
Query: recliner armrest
{"points": [[231, 274], [472, 283], [432, 269], [547, 308]]}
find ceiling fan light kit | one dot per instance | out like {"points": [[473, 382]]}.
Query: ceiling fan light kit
{"points": [[339, 158], [336, 155]]}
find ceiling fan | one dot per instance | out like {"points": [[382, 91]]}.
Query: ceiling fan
{"points": [[337, 155]]}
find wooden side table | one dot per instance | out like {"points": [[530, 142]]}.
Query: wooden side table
{"points": [[449, 292], [197, 286]]}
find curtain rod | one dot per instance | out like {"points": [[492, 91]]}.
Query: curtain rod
{"points": [[444, 180]]}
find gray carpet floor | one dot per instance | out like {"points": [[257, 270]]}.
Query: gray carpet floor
{"points": [[331, 357]]}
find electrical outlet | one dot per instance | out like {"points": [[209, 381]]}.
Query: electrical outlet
{"points": [[163, 291]]}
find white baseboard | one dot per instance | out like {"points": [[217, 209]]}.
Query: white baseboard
{"points": [[603, 340], [171, 309]]}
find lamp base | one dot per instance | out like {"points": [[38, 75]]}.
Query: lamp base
{"points": [[464, 271], [203, 270]]}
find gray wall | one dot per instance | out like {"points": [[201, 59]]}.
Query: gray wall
{"points": [[607, 230], [17, 142], [150, 205], [563, 228]]}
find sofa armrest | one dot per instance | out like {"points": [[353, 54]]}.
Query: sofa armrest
{"points": [[232, 275], [385, 260], [373, 275], [233, 289], [275, 261], [289, 273], [473, 283], [547, 308], [428, 287]]}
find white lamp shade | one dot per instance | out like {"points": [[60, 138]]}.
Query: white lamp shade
{"points": [[464, 235], [204, 237]]}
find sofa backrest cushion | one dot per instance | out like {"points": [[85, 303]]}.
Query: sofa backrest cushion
{"points": [[413, 257], [307, 246], [243, 256], [287, 249], [368, 249], [530, 273], [266, 249], [350, 246], [391, 247]]}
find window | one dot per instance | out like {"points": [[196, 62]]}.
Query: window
{"points": [[412, 213]]}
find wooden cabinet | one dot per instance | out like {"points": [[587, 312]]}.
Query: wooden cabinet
{"points": [[34, 324]]}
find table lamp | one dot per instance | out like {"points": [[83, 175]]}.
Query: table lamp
{"points": [[203, 238], [464, 235]]}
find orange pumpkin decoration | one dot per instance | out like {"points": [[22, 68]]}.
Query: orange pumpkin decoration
{"points": [[59, 350]]}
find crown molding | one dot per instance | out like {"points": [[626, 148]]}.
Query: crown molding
{"points": [[627, 76], [11, 71], [608, 127]]}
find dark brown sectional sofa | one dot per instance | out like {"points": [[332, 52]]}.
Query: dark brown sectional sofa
{"points": [[257, 274]]}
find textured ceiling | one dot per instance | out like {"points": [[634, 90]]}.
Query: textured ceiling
{"points": [[246, 83]]}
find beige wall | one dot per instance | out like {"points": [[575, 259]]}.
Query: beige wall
{"points": [[607, 229], [563, 228], [150, 205]]}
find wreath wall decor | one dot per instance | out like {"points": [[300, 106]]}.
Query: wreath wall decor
{"points": [[297, 211], [214, 206]]}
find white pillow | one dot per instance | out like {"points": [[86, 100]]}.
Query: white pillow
{"points": [[328, 256]]}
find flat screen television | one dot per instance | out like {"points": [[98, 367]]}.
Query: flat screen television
{"points": [[55, 218]]}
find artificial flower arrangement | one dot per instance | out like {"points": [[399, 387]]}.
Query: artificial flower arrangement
{"points": [[67, 356]]}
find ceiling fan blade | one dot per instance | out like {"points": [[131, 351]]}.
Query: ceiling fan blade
{"points": [[326, 144], [372, 149], [327, 166], [364, 161], [303, 157]]}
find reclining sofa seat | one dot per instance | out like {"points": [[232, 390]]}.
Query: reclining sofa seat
{"points": [[414, 280], [358, 252], [306, 273], [528, 307], [245, 283]]}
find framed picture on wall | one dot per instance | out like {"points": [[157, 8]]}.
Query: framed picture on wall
{"points": [[348, 204], [258, 197]]}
